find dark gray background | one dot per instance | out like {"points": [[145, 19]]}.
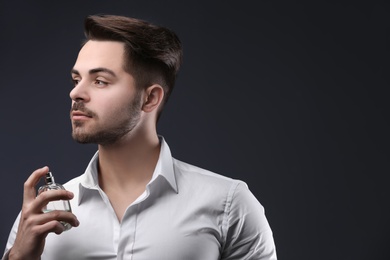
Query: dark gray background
{"points": [[291, 98]]}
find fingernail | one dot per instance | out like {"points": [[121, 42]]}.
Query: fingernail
{"points": [[70, 194]]}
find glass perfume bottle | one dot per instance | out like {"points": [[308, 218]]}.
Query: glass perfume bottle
{"points": [[58, 204]]}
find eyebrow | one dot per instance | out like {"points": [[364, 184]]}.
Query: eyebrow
{"points": [[96, 70]]}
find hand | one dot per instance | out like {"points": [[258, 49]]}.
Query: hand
{"points": [[34, 225]]}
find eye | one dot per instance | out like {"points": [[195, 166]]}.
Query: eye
{"points": [[74, 82], [101, 83]]}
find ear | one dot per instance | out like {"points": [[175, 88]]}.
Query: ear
{"points": [[153, 97]]}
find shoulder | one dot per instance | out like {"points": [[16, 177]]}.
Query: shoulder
{"points": [[200, 181]]}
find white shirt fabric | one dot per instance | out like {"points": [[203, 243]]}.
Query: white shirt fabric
{"points": [[185, 213]]}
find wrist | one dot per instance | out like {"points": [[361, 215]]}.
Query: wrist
{"points": [[14, 255]]}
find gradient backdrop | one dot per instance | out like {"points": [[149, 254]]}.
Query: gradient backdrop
{"points": [[291, 98]]}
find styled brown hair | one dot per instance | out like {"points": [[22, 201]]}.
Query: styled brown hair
{"points": [[153, 53]]}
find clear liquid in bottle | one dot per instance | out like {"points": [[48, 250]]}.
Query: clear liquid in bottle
{"points": [[58, 204]]}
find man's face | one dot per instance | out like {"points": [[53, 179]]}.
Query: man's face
{"points": [[105, 103]]}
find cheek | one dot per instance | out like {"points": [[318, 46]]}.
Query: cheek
{"points": [[109, 101], [112, 110], [112, 102], [115, 107]]}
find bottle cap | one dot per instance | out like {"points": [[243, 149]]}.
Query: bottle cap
{"points": [[49, 178]]}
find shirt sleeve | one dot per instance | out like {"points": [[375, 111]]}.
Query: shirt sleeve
{"points": [[11, 238], [248, 233]]}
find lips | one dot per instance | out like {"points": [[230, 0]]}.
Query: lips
{"points": [[78, 115]]}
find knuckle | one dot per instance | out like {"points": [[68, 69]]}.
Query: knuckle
{"points": [[56, 214], [29, 221], [26, 212], [35, 231], [43, 196], [55, 226], [26, 184]]}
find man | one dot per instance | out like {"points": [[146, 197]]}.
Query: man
{"points": [[135, 201]]}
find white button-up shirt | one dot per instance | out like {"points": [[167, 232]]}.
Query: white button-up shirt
{"points": [[185, 213]]}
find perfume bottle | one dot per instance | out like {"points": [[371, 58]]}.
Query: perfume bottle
{"points": [[55, 205]]}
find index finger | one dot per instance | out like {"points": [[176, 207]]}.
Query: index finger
{"points": [[29, 186]]}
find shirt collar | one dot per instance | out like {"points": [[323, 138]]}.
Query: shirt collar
{"points": [[164, 168]]}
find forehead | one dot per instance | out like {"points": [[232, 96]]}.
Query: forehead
{"points": [[105, 54]]}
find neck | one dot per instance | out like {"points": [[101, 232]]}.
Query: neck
{"points": [[129, 162]]}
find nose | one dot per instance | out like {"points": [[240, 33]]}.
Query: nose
{"points": [[79, 92]]}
